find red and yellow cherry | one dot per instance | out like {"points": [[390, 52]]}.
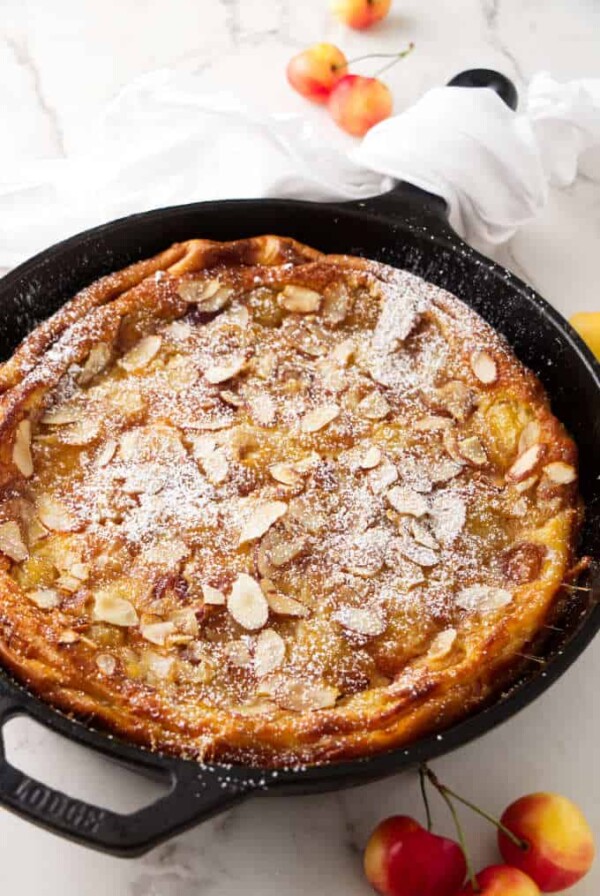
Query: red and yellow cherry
{"points": [[357, 103], [360, 14], [402, 858], [502, 880], [560, 845], [315, 71]]}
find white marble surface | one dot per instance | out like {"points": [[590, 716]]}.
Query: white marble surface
{"points": [[59, 64]]}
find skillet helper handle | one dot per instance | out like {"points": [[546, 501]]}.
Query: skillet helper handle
{"points": [[195, 795]]}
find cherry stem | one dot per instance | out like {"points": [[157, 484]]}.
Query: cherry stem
{"points": [[461, 837], [395, 57], [461, 799], [422, 779]]}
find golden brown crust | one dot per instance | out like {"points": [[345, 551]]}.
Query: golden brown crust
{"points": [[335, 433]]}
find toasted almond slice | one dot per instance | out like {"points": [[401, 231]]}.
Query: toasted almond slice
{"points": [[185, 621], [483, 598], [484, 367], [362, 621], [299, 299], [472, 451], [442, 644], [238, 654], [432, 423], [141, 354], [106, 663], [308, 463], [382, 476], [299, 696], [449, 514], [231, 398], [68, 636], [81, 433], [79, 571], [220, 373], [262, 519], [525, 484], [157, 632], [262, 409], [405, 500], [247, 603], [281, 604], [370, 459], [115, 610], [55, 515], [560, 472], [212, 596], [285, 551], [61, 416], [45, 598], [211, 294], [530, 435], [456, 398], [158, 667], [418, 553], [525, 463], [287, 474], [69, 583], [373, 406], [36, 531], [344, 352], [96, 361], [320, 417], [269, 652], [168, 552], [106, 453], [422, 535], [445, 470], [22, 449], [216, 467]]}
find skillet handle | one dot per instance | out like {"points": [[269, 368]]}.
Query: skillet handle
{"points": [[196, 794], [414, 203]]}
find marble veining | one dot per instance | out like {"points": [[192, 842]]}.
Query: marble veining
{"points": [[60, 63]]}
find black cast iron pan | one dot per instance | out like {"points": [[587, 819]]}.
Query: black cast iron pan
{"points": [[406, 228]]}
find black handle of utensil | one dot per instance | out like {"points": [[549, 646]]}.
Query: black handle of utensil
{"points": [[195, 794], [405, 197]]}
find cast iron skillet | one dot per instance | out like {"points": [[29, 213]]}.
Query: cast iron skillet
{"points": [[406, 228]]}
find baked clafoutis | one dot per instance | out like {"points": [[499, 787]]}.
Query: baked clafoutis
{"points": [[268, 506]]}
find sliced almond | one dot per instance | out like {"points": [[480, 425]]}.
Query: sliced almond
{"points": [[382, 476], [418, 553], [442, 644], [81, 433], [320, 417], [299, 299], [141, 354], [284, 552], [362, 621], [106, 663], [448, 514], [373, 406], [560, 472], [61, 416], [262, 409], [269, 652], [530, 435], [456, 397], [45, 598], [406, 501], [220, 373], [158, 667], [422, 535], [444, 471], [238, 654], [211, 294], [55, 515], [115, 610], [167, 552], [525, 484], [11, 542], [337, 303], [68, 636], [216, 467], [106, 453], [281, 604], [525, 463], [212, 596], [96, 361], [472, 451], [484, 367], [185, 621], [483, 598], [287, 474], [370, 459], [22, 449], [343, 352], [157, 632], [69, 583], [300, 696], [262, 519], [231, 398], [432, 423], [247, 603]]}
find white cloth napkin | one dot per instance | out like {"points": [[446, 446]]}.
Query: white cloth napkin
{"points": [[171, 138]]}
